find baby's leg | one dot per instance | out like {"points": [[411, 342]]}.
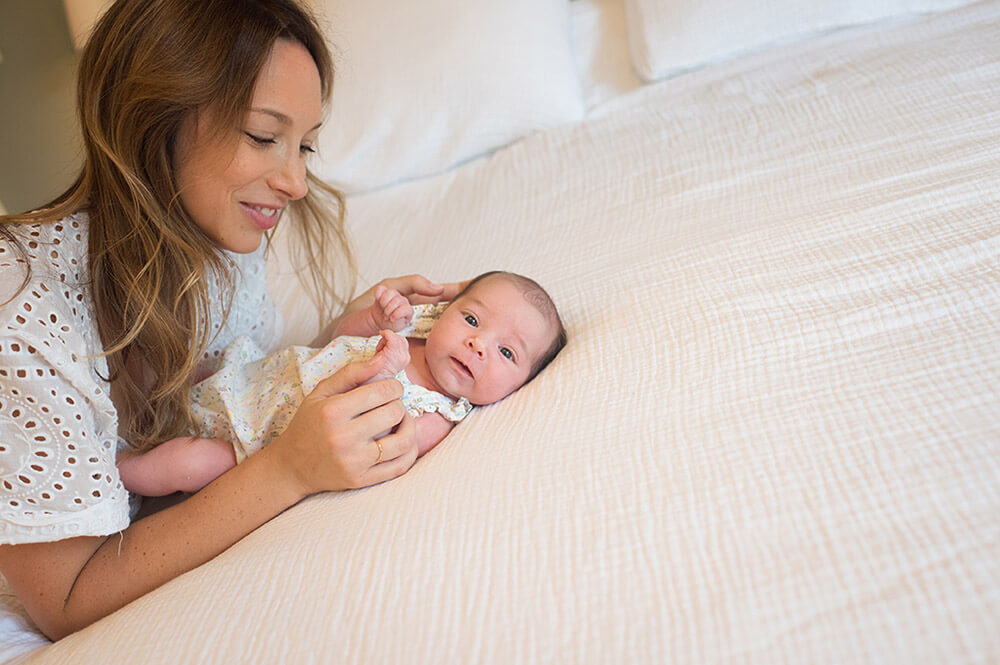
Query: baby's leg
{"points": [[394, 351], [185, 464]]}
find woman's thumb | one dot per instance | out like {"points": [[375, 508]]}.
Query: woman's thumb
{"points": [[349, 377]]}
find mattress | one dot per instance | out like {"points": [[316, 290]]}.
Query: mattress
{"points": [[774, 435]]}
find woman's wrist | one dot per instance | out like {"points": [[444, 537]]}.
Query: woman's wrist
{"points": [[285, 480]]}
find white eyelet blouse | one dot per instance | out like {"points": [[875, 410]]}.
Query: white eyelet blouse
{"points": [[58, 426]]}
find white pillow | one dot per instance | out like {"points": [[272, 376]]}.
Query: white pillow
{"points": [[423, 86], [671, 36]]}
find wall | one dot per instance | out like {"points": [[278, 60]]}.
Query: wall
{"points": [[39, 144]]}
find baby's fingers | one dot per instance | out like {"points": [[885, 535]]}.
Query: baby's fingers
{"points": [[400, 313]]}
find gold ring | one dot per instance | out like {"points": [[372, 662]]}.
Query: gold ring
{"points": [[379, 459]]}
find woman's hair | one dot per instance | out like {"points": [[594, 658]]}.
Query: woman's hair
{"points": [[148, 66], [542, 301]]}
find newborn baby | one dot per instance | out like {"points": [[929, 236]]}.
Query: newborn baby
{"points": [[493, 338]]}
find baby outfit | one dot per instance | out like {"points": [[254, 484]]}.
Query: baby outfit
{"points": [[253, 397]]}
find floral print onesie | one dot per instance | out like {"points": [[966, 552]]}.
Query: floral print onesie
{"points": [[252, 397]]}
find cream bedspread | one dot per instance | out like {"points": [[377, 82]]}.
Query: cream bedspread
{"points": [[774, 436]]}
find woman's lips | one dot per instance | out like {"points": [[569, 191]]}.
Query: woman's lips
{"points": [[265, 217]]}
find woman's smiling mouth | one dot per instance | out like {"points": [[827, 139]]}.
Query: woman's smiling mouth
{"points": [[264, 217]]}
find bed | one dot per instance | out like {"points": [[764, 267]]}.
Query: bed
{"points": [[774, 435]]}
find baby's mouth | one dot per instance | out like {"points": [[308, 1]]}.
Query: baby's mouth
{"points": [[464, 368]]}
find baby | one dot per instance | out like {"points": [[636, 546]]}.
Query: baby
{"points": [[493, 338]]}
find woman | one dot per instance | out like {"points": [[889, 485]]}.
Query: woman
{"points": [[198, 116]]}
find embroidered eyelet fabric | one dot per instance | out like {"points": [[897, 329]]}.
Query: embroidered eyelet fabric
{"points": [[253, 397], [58, 425]]}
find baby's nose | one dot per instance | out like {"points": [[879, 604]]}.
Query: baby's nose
{"points": [[474, 345]]}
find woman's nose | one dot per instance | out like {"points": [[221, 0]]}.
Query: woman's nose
{"points": [[290, 179]]}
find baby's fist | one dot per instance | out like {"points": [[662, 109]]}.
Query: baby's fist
{"points": [[395, 352], [391, 309]]}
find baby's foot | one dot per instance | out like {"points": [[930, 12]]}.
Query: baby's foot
{"points": [[394, 352]]}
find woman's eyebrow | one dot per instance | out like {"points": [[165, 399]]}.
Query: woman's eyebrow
{"points": [[280, 117]]}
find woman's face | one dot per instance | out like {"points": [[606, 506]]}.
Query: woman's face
{"points": [[236, 188]]}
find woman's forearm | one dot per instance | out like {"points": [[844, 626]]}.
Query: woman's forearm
{"points": [[167, 544], [328, 445], [69, 584]]}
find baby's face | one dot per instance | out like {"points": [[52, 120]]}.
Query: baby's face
{"points": [[484, 345]]}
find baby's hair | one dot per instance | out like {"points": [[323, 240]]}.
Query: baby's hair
{"points": [[540, 299]]}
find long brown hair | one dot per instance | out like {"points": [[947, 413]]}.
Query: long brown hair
{"points": [[148, 65]]}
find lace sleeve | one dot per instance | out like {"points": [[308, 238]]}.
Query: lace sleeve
{"points": [[58, 426], [58, 477]]}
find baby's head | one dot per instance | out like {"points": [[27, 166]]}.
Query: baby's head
{"points": [[494, 337]]}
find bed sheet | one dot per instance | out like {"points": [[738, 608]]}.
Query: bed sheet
{"points": [[773, 436]]}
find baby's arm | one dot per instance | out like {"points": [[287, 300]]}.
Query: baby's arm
{"points": [[391, 310], [393, 351], [185, 464], [431, 430]]}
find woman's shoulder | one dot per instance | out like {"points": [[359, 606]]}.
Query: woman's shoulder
{"points": [[56, 249], [45, 298], [57, 420]]}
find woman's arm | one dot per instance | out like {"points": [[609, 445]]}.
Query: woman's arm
{"points": [[69, 584]]}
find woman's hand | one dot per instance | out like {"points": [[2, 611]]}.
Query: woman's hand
{"points": [[333, 440], [68, 584], [417, 289]]}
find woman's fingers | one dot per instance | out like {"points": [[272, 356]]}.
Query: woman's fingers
{"points": [[399, 452], [329, 444], [371, 424], [421, 291], [451, 289], [354, 375], [410, 285], [417, 289]]}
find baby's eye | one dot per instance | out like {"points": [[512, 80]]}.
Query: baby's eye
{"points": [[506, 353], [471, 320]]}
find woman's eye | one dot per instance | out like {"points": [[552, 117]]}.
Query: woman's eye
{"points": [[506, 353], [307, 149], [471, 320], [259, 140]]}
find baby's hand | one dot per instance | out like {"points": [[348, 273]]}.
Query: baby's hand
{"points": [[391, 309], [394, 352]]}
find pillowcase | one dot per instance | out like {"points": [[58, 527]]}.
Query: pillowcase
{"points": [[670, 36], [423, 86]]}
